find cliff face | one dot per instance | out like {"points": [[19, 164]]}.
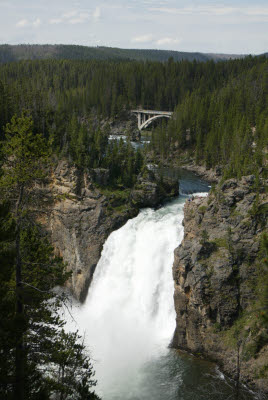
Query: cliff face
{"points": [[82, 217], [216, 273]]}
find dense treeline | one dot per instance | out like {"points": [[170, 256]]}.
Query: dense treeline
{"points": [[20, 52], [38, 358], [108, 86], [227, 126], [90, 148], [219, 106], [221, 118]]}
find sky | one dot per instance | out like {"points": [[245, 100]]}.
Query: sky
{"points": [[234, 27]]}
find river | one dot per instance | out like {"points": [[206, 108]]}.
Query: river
{"points": [[128, 318]]}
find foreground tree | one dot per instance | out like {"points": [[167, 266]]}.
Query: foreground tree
{"points": [[38, 358]]}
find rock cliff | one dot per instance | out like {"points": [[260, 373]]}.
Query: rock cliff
{"points": [[83, 214], [219, 280]]}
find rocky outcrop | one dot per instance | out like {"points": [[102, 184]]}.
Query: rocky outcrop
{"points": [[83, 215], [150, 191], [125, 124], [216, 274]]}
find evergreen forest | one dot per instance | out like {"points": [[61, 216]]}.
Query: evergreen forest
{"points": [[61, 109], [20, 52], [220, 108]]}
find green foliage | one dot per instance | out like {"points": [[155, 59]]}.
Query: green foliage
{"points": [[74, 52], [221, 242], [220, 118], [259, 211], [36, 361], [262, 287], [224, 123], [89, 148], [202, 209], [123, 162], [237, 333], [55, 361], [216, 327], [220, 108], [23, 153], [70, 373], [204, 238], [250, 330], [117, 199]]}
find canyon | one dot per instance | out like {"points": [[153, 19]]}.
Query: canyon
{"points": [[83, 214], [218, 277], [216, 267]]}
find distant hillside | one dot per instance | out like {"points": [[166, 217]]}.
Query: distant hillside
{"points": [[71, 52]]}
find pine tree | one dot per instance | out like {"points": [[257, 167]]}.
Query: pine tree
{"points": [[30, 273]]}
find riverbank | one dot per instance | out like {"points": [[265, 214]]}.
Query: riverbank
{"points": [[210, 175]]}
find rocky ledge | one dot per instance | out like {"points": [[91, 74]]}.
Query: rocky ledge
{"points": [[212, 175], [151, 191], [219, 277], [84, 212]]}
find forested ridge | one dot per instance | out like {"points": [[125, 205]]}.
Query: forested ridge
{"points": [[220, 108], [20, 52], [226, 125], [59, 109]]}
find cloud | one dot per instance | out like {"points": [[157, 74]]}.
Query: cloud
{"points": [[215, 10], [149, 38], [22, 23], [143, 39], [84, 15], [97, 13], [72, 17], [37, 22], [169, 10], [167, 40], [78, 20], [55, 21], [70, 14], [201, 10], [256, 11]]}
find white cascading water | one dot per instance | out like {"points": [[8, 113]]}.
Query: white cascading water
{"points": [[128, 318]]}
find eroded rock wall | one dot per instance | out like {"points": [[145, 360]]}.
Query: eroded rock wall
{"points": [[215, 272], [79, 224], [83, 215]]}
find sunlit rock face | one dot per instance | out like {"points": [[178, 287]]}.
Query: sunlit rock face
{"points": [[215, 269], [79, 224], [82, 217]]}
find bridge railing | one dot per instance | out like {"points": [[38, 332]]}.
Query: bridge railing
{"points": [[152, 112]]}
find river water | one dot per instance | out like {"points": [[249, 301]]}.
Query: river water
{"points": [[128, 318]]}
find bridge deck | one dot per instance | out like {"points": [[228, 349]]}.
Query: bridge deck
{"points": [[153, 112]]}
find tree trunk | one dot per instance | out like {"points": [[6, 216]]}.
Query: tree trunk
{"points": [[20, 354], [237, 380]]}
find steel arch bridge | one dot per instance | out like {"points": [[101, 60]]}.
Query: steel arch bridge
{"points": [[146, 117]]}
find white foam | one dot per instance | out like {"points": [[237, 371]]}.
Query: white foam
{"points": [[129, 315]]}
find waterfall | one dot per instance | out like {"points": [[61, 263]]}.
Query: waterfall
{"points": [[128, 318]]}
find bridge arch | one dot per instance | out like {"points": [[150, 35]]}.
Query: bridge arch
{"points": [[150, 120], [146, 117]]}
